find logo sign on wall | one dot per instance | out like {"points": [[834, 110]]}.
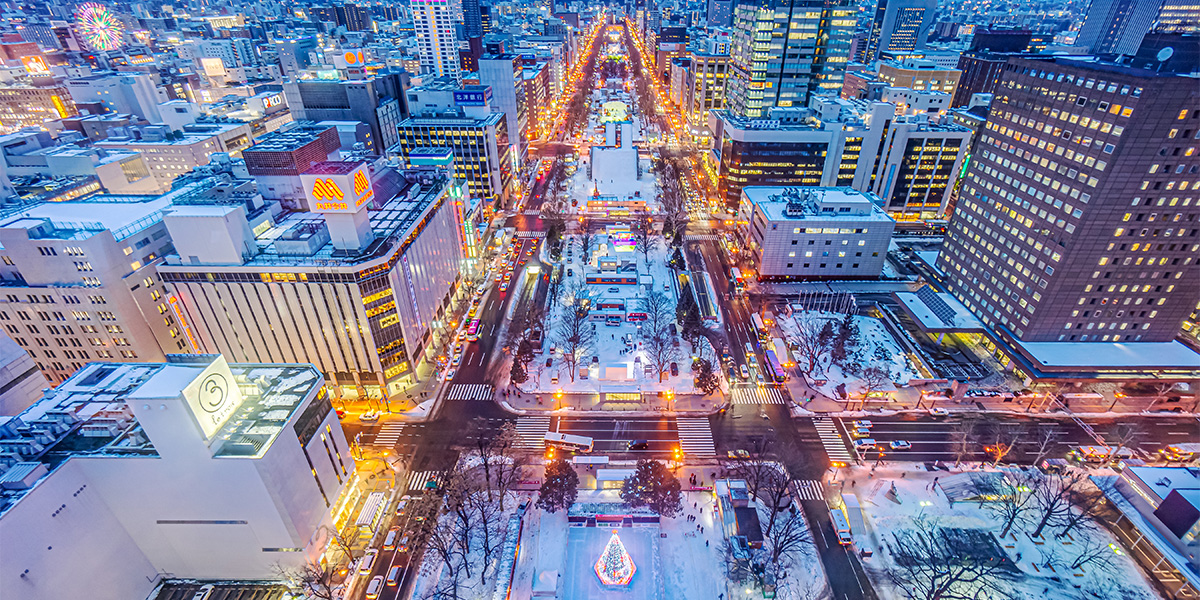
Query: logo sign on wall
{"points": [[213, 397], [35, 65], [335, 190]]}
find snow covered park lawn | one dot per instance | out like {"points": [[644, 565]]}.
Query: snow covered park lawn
{"points": [[922, 540], [872, 347], [616, 354]]}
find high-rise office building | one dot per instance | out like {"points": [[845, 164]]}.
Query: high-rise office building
{"points": [[1118, 26], [784, 51], [720, 13], [350, 16], [472, 19], [377, 101], [437, 41], [1078, 219], [505, 75], [899, 26]]}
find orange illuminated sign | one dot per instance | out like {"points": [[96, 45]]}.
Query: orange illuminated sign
{"points": [[183, 322]]}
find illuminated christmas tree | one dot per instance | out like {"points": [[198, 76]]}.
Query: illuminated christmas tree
{"points": [[615, 566]]}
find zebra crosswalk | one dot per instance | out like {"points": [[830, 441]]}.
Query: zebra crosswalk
{"points": [[757, 395], [533, 212], [701, 237], [695, 438], [835, 447], [809, 489], [388, 435], [531, 234], [470, 391], [417, 480], [531, 432]]}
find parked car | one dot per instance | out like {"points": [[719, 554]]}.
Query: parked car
{"points": [[674, 369]]}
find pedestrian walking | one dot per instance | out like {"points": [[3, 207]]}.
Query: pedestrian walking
{"points": [[705, 543]]}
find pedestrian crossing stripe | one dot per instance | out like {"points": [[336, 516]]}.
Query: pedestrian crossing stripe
{"points": [[809, 489], [695, 437], [701, 237], [531, 234], [418, 479], [835, 448], [388, 435], [531, 432], [533, 212], [470, 391], [757, 395]]}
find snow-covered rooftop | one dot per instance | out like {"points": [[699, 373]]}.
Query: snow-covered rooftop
{"points": [[1166, 355], [932, 317]]}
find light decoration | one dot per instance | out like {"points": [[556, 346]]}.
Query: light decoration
{"points": [[615, 566], [99, 26]]}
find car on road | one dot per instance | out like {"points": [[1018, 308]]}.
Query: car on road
{"points": [[863, 424], [369, 416], [900, 445], [674, 369], [860, 432], [504, 286], [393, 576], [450, 373], [638, 445], [374, 587], [938, 411], [864, 444], [402, 546], [744, 371], [367, 561], [570, 273], [341, 412], [400, 508], [389, 542]]}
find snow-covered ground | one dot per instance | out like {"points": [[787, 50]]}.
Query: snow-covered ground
{"points": [[1042, 565], [609, 346], [875, 348]]}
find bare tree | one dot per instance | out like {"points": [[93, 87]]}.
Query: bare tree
{"points": [[313, 580], [938, 564], [1052, 498], [661, 351], [586, 238], [1043, 438], [1095, 552], [502, 465], [813, 341], [964, 435], [871, 380], [1015, 505], [445, 553], [643, 234], [1123, 435], [1001, 439], [574, 335], [660, 312], [1161, 391], [1086, 499], [790, 537]]}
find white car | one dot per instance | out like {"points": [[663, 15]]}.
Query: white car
{"points": [[938, 411], [864, 444], [370, 416], [863, 424], [900, 445]]}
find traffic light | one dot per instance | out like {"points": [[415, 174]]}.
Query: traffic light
{"points": [[677, 454]]}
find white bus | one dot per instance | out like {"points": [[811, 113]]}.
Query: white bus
{"points": [[372, 510], [578, 443], [840, 526]]}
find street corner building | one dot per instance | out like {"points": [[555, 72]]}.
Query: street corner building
{"points": [[126, 474]]}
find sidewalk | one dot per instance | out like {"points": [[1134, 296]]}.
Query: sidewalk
{"points": [[624, 404]]}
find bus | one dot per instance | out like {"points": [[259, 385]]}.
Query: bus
{"points": [[773, 368], [735, 277], [782, 353], [370, 513], [760, 329], [473, 331], [578, 443]]}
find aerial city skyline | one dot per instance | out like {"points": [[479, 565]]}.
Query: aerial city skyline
{"points": [[307, 300]]}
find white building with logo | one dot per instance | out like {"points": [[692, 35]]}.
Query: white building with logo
{"points": [[127, 474]]}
